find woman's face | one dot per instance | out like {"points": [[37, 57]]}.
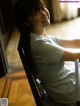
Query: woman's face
{"points": [[41, 19]]}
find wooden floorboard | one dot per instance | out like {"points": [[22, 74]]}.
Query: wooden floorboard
{"points": [[6, 88], [17, 90], [2, 85], [25, 100]]}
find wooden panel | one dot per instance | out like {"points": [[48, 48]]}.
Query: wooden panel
{"points": [[3, 59], [17, 90], [2, 85], [7, 88]]}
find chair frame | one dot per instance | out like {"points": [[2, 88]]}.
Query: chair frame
{"points": [[31, 78]]}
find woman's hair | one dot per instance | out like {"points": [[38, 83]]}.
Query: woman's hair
{"points": [[22, 10]]}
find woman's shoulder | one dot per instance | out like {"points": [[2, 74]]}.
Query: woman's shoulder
{"points": [[53, 37]]}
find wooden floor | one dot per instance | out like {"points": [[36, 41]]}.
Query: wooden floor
{"points": [[16, 88], [68, 29]]}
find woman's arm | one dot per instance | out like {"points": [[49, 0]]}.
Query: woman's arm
{"points": [[75, 43], [70, 54]]}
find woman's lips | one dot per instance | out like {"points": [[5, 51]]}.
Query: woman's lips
{"points": [[45, 19]]}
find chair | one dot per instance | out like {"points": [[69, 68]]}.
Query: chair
{"points": [[29, 69], [40, 96]]}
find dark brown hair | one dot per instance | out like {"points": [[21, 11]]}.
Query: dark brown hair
{"points": [[22, 10], [25, 8]]}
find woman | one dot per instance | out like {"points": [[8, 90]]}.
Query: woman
{"points": [[48, 52]]}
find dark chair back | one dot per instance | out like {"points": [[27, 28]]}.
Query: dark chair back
{"points": [[29, 68]]}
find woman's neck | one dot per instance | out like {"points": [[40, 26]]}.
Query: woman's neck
{"points": [[40, 31]]}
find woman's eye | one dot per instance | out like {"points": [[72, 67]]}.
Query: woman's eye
{"points": [[36, 13]]}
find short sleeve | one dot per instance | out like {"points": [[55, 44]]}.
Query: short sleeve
{"points": [[56, 39], [50, 53]]}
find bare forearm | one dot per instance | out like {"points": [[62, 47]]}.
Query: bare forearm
{"points": [[76, 43], [71, 55], [71, 43]]}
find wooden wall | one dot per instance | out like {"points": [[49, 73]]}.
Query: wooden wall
{"points": [[6, 20]]}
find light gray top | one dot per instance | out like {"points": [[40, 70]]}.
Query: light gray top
{"points": [[58, 79]]}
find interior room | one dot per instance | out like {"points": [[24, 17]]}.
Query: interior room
{"points": [[14, 85]]}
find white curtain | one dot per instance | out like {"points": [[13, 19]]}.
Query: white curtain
{"points": [[69, 10], [63, 10], [56, 9]]}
